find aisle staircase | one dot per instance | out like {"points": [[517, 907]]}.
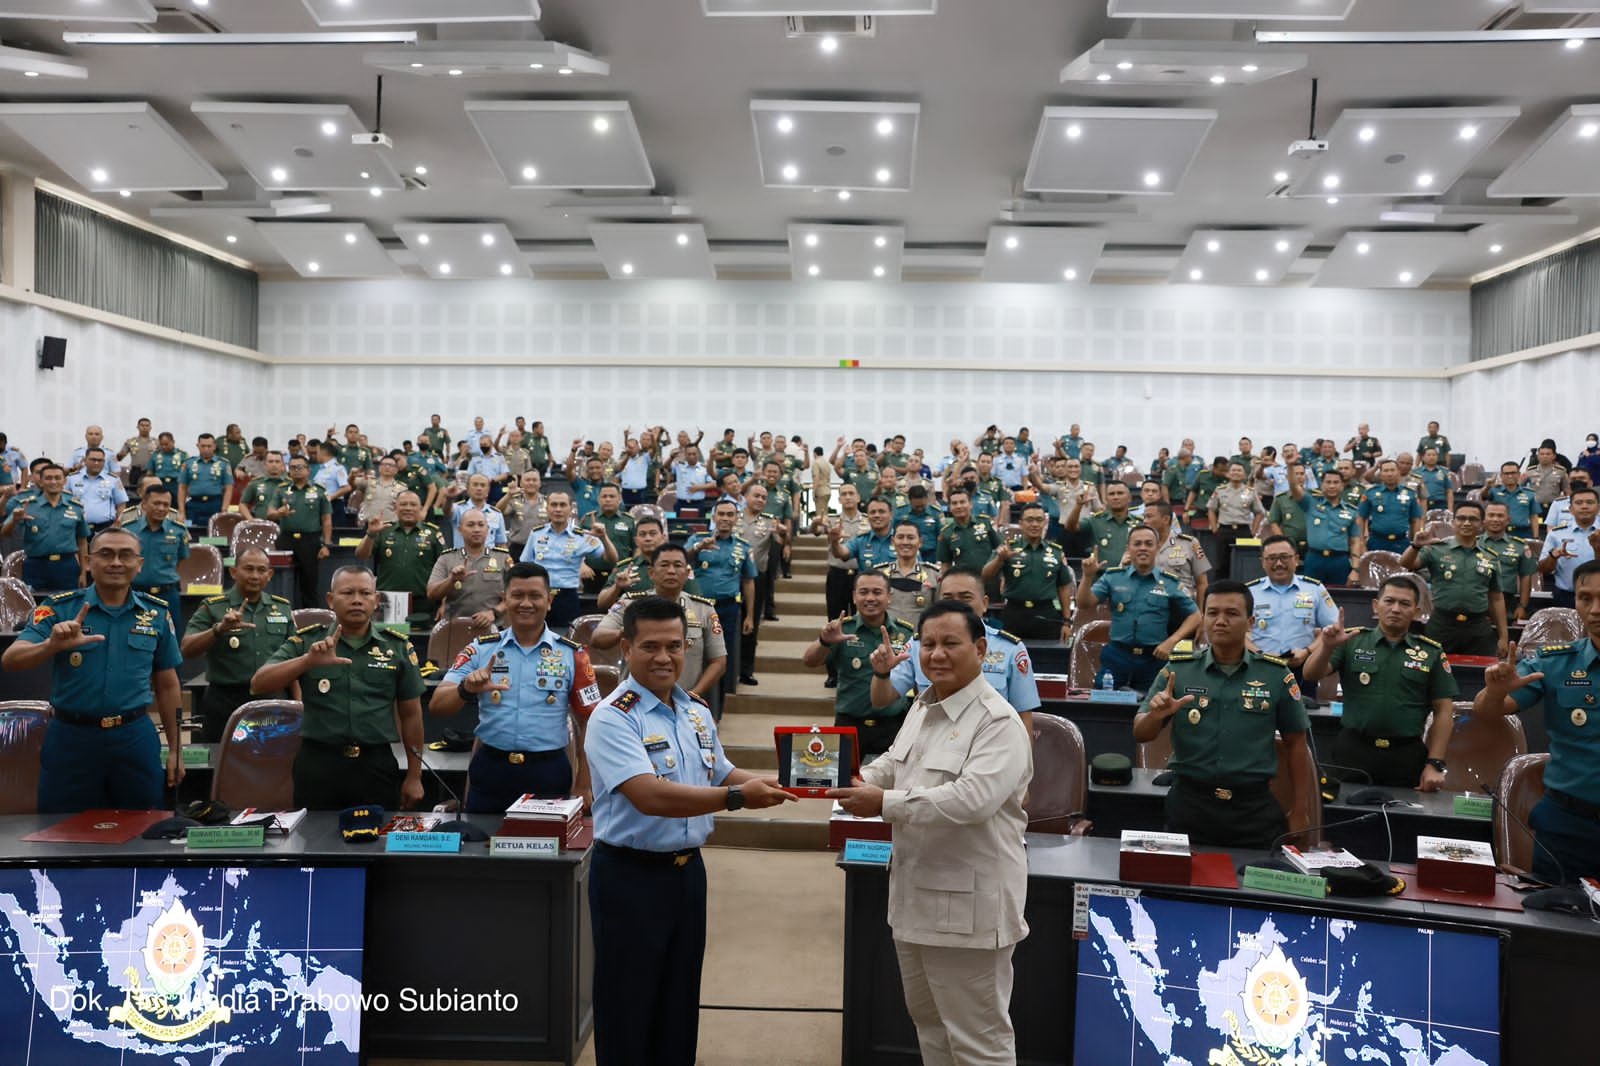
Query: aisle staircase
{"points": [[789, 694]]}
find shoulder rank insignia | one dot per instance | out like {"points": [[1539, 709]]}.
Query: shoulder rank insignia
{"points": [[1113, 569], [1429, 641], [625, 701], [701, 700], [309, 629], [1186, 536], [58, 597], [216, 599], [492, 638], [1257, 581], [569, 642], [1012, 637], [708, 601], [1181, 657], [1275, 660], [279, 599], [1557, 649], [1308, 579]]}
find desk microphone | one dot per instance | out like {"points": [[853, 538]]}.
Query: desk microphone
{"points": [[1367, 797], [458, 824]]}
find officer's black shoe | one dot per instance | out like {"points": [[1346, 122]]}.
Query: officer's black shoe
{"points": [[769, 617], [748, 681], [832, 682]]}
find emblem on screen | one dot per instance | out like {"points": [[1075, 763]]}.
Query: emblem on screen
{"points": [[171, 1009], [1275, 1002]]}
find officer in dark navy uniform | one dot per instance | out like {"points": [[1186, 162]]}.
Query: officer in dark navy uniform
{"points": [[112, 653], [659, 776]]}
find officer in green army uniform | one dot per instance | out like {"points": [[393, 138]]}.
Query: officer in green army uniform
{"points": [[305, 526], [1469, 614], [1517, 564], [620, 526], [1109, 528], [847, 643], [232, 446], [1225, 705], [1206, 484], [1392, 679], [437, 438], [403, 554], [1436, 440], [237, 633], [1363, 447], [260, 496], [1285, 518], [633, 573], [1035, 581], [353, 456], [355, 682], [965, 542]]}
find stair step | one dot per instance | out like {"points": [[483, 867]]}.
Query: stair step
{"points": [[783, 657], [798, 826], [801, 710]]}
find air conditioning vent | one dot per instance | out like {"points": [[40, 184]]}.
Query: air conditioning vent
{"points": [[830, 26], [179, 20], [1515, 18]]}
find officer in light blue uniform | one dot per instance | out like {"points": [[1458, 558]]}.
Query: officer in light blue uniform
{"points": [[1333, 538], [110, 665], [54, 533], [1289, 608], [1390, 510], [724, 568], [101, 494], [498, 537], [203, 483], [331, 477], [562, 550], [1149, 611], [492, 465], [164, 543]]}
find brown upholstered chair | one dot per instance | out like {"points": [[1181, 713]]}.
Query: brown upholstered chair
{"points": [[608, 678], [1297, 790], [314, 616], [202, 567], [1472, 474], [1086, 644], [12, 566], [667, 501], [449, 636], [646, 510], [1374, 566], [253, 533], [1154, 754], [1480, 747], [1521, 789], [16, 605], [256, 758], [1060, 786], [1549, 625], [223, 523], [22, 727]]}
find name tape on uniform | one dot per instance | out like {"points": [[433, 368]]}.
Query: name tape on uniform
{"points": [[1080, 903]]}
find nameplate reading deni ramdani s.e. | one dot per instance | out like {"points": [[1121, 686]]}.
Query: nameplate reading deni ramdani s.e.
{"points": [[225, 836], [877, 852], [525, 847], [447, 843]]}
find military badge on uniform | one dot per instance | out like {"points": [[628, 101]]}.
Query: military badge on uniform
{"points": [[233, 642], [1580, 717], [324, 686], [1194, 716], [76, 658], [1365, 678]]}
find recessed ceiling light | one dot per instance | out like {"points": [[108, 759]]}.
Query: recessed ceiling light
{"points": [[124, 193], [279, 175], [1363, 248], [488, 240], [877, 271], [885, 127], [811, 240], [1262, 275], [1466, 133], [535, 66], [1424, 180], [1011, 242], [30, 74], [419, 171], [785, 124], [1069, 274], [349, 238], [1574, 43], [329, 129], [1213, 246], [455, 72], [627, 268], [882, 174], [1280, 176], [98, 175], [1196, 275], [416, 66], [313, 266], [1102, 76], [231, 239], [529, 173], [880, 241], [1332, 200], [1125, 65], [1330, 181], [1152, 178], [601, 124], [444, 268], [365, 175], [790, 172], [683, 240], [1496, 249], [505, 268], [1074, 132], [1282, 246], [844, 194], [1589, 129], [375, 192], [1367, 133], [813, 270], [829, 44], [1217, 79], [1405, 277], [1249, 68], [563, 71], [423, 239]]}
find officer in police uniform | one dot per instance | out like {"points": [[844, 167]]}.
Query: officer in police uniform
{"points": [[1035, 581], [534, 690], [1333, 536], [356, 682], [913, 584], [659, 776], [1566, 679], [1150, 612], [966, 541], [55, 536], [1180, 554], [1005, 663], [237, 632], [1290, 608], [564, 550], [203, 484], [469, 580], [1469, 614], [305, 527], [766, 535], [1517, 564], [727, 575], [706, 651], [112, 654], [164, 544], [1108, 529], [1392, 679], [1391, 514], [1224, 705], [847, 643], [404, 554]]}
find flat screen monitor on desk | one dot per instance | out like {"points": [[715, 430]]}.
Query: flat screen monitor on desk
{"points": [[1163, 981], [112, 965]]}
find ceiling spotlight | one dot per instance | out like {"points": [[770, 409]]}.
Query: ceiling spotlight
{"points": [[790, 172], [1496, 249], [365, 175], [488, 240], [349, 238], [124, 193], [1424, 181], [1011, 242], [529, 173], [785, 124], [329, 129], [278, 175], [1330, 181], [375, 192], [313, 266], [1588, 129], [1280, 176], [1332, 200], [1367, 133], [1102, 77], [811, 240], [1152, 178], [455, 72], [601, 124], [1282, 246], [844, 194], [1363, 248], [30, 74], [683, 240], [880, 241], [1196, 275], [829, 45], [627, 268], [1074, 132], [98, 175], [505, 268], [1217, 79], [419, 171], [885, 127], [1069, 274], [813, 270], [563, 71], [882, 175], [877, 271], [1125, 65], [416, 66], [535, 66], [423, 239], [1261, 275], [231, 239], [1213, 246], [1405, 277], [444, 268], [1466, 133], [1249, 68], [1573, 44]]}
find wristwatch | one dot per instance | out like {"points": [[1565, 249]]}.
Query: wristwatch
{"points": [[1437, 764], [735, 800]]}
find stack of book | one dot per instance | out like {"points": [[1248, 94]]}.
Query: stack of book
{"points": [[1155, 858], [1455, 865], [1314, 861], [558, 819]]}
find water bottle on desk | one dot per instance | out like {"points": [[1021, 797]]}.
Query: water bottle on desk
{"points": [[1106, 682]]}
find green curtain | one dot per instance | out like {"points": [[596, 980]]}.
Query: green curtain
{"points": [[88, 258], [1554, 299]]}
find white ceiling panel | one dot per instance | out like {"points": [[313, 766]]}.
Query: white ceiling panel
{"points": [[1564, 161], [299, 146], [1207, 64], [563, 144], [845, 253], [1135, 150], [836, 144], [1373, 260], [107, 147], [653, 251], [1240, 257], [1400, 151], [391, 12], [464, 249], [329, 249], [1561, 7], [79, 10], [1273, 10], [490, 59], [819, 7], [1055, 255]]}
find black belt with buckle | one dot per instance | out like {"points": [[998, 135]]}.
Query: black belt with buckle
{"points": [[1391, 536], [49, 558], [1384, 743], [1461, 618], [108, 721], [1328, 553], [517, 758], [202, 497], [648, 858], [1573, 803], [349, 751], [1137, 649], [1227, 792]]}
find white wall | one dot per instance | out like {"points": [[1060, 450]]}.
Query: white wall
{"points": [[1512, 408], [1124, 360], [112, 377]]}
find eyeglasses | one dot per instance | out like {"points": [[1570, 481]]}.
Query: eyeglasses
{"points": [[107, 555]]}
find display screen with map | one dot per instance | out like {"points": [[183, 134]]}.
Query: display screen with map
{"points": [[251, 966], [1181, 983]]}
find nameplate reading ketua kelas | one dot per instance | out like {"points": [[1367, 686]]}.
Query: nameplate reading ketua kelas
{"points": [[877, 852], [448, 843], [1289, 884], [525, 847], [225, 836]]}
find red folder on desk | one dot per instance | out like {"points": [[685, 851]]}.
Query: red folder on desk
{"points": [[99, 827]]}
